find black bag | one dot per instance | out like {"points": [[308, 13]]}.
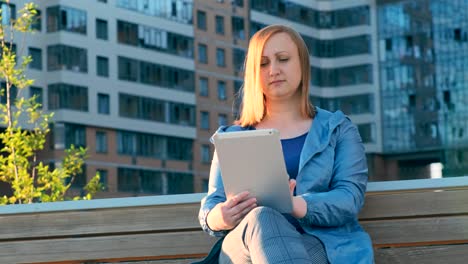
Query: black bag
{"points": [[213, 256]]}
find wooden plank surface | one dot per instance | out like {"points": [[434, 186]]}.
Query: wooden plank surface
{"points": [[68, 223], [421, 203], [419, 230], [446, 254], [106, 247]]}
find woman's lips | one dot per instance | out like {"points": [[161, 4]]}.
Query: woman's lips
{"points": [[276, 82]]}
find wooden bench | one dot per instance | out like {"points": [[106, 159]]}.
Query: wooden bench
{"points": [[416, 221]]}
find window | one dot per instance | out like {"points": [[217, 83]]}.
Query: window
{"points": [[203, 86], [37, 21], [103, 104], [63, 57], [101, 142], [219, 20], [238, 29], [202, 53], [142, 108], [181, 114], [222, 119], [103, 178], [205, 153], [221, 90], [205, 120], [66, 19], [36, 56], [220, 57], [8, 12], [238, 57], [36, 91], [179, 148], [75, 135], [154, 38], [67, 96], [201, 20], [102, 66], [155, 74], [101, 29], [239, 3]]}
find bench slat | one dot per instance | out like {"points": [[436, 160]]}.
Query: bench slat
{"points": [[419, 230], [104, 221], [421, 203], [447, 254], [106, 247]]}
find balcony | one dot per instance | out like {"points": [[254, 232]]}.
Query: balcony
{"points": [[413, 221]]}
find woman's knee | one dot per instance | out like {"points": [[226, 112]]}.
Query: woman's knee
{"points": [[262, 213]]}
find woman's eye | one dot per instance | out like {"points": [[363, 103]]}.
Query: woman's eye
{"points": [[283, 59], [263, 64]]}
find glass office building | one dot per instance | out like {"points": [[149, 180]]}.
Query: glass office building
{"points": [[423, 58]]}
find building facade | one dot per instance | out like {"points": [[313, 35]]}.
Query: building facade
{"points": [[143, 84]]}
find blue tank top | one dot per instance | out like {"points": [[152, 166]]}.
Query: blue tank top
{"points": [[292, 148]]}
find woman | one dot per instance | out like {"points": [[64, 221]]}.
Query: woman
{"points": [[324, 157]]}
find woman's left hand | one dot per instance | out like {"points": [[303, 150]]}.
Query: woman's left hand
{"points": [[299, 204]]}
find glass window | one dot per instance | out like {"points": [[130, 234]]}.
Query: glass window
{"points": [[8, 12], [238, 29], [204, 120], [179, 183], [179, 148], [220, 57], [203, 86], [238, 57], [102, 66], [182, 114], [63, 57], [156, 74], [205, 153], [101, 29], [103, 178], [154, 38], [36, 56], [367, 132], [103, 104], [142, 108], [201, 20], [219, 21], [202, 53], [222, 120], [66, 19], [36, 91], [75, 135], [101, 142], [175, 10], [67, 96], [222, 90], [37, 21]]}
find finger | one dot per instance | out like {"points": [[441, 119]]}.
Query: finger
{"points": [[243, 205], [238, 217], [237, 199], [292, 185]]}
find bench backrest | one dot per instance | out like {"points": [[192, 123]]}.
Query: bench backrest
{"points": [[423, 220]]}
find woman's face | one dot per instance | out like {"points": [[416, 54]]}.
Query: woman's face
{"points": [[280, 69]]}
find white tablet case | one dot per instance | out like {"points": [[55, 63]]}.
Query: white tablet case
{"points": [[253, 161]]}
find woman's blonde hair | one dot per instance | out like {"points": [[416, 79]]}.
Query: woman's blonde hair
{"points": [[252, 108]]}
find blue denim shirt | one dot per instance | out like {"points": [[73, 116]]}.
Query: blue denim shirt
{"points": [[332, 179]]}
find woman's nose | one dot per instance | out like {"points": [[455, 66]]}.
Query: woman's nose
{"points": [[274, 69]]}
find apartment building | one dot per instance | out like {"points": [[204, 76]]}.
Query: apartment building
{"points": [[143, 84]]}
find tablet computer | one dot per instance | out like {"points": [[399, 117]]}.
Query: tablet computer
{"points": [[253, 161]]}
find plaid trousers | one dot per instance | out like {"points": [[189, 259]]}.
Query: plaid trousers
{"points": [[266, 236]]}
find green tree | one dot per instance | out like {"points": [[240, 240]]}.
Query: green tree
{"points": [[30, 180]]}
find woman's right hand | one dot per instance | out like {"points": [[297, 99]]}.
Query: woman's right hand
{"points": [[226, 215]]}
